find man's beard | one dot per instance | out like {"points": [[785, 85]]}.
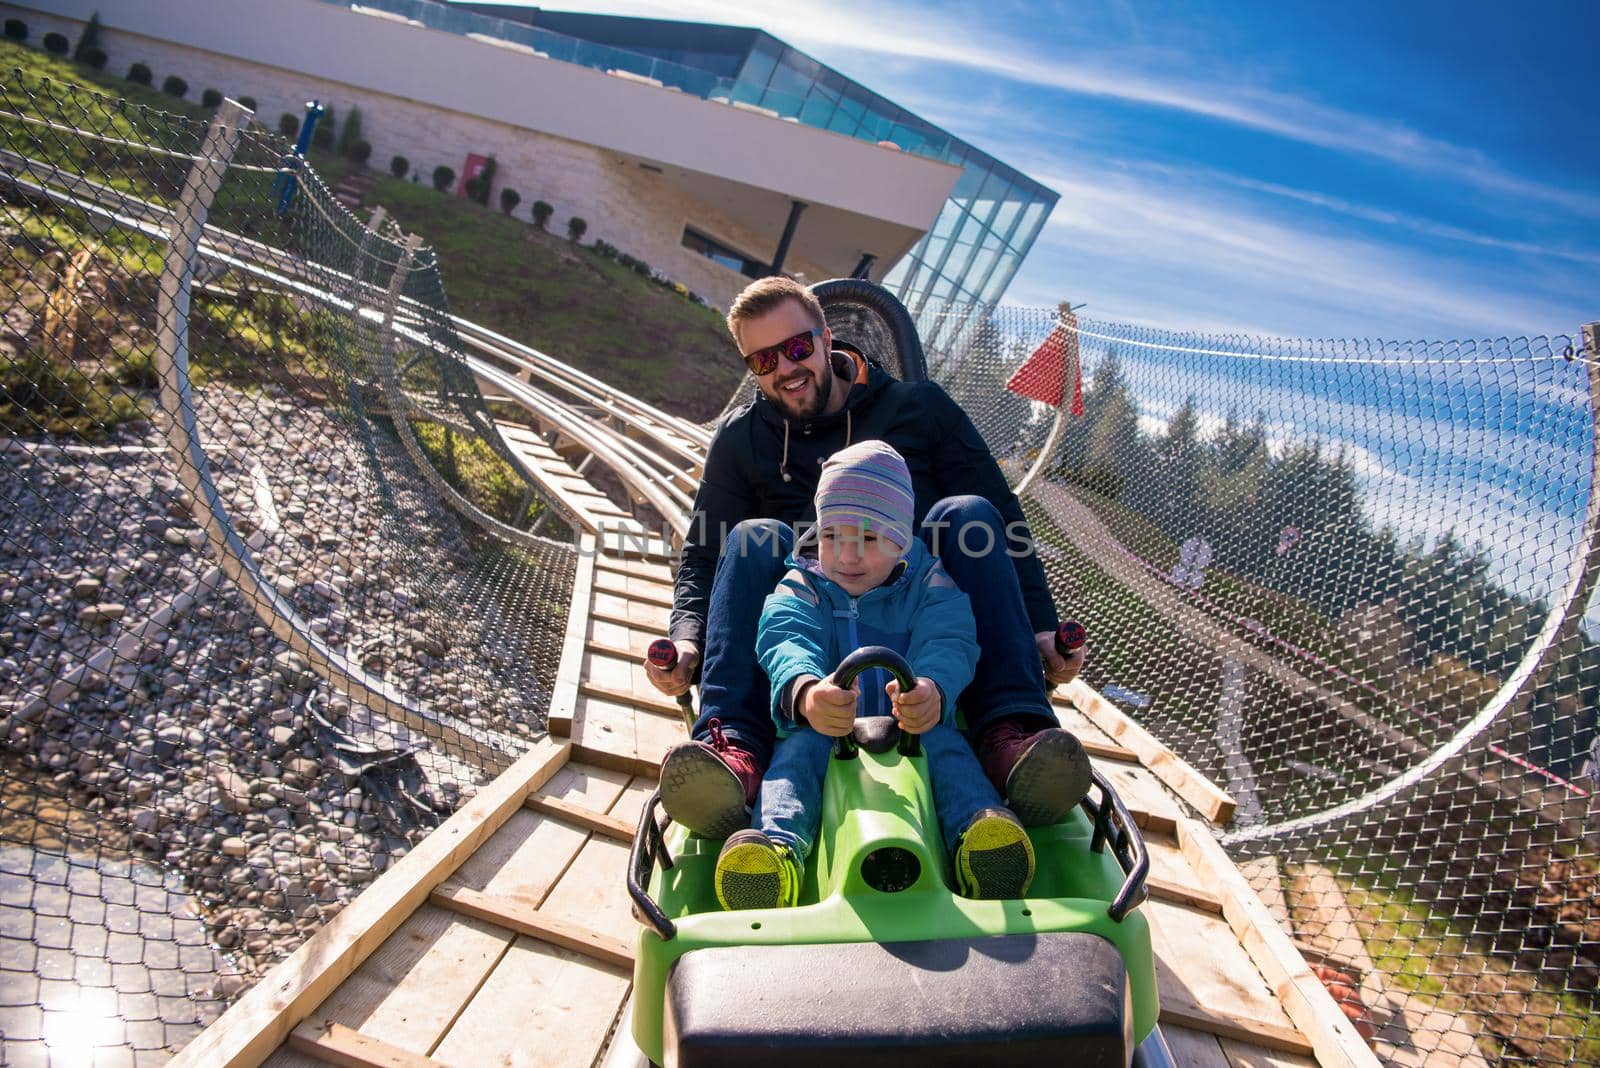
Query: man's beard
{"points": [[820, 394]]}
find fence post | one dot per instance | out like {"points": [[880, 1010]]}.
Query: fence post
{"points": [[194, 469]]}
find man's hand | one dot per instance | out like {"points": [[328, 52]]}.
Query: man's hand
{"points": [[1058, 669], [676, 681], [918, 709], [830, 709]]}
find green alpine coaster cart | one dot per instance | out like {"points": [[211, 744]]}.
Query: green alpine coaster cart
{"points": [[882, 961]]}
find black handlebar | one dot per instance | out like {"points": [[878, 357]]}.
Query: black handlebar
{"points": [[875, 656]]}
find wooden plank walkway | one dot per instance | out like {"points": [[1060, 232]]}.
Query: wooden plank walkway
{"points": [[506, 937]]}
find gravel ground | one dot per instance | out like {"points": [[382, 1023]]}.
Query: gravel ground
{"points": [[266, 800]]}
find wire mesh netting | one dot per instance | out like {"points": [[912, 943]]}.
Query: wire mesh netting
{"points": [[255, 638], [1335, 577]]}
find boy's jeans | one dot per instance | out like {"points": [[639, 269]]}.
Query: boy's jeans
{"points": [[789, 806], [1010, 677]]}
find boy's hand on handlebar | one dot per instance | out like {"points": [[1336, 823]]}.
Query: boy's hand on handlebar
{"points": [[918, 709], [830, 709], [674, 682], [1058, 669]]}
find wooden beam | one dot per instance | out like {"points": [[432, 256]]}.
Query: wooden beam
{"points": [[1260, 1032], [588, 819], [655, 703], [1333, 1037], [1205, 796], [1102, 751], [620, 582], [260, 1021], [662, 573], [564, 699], [1184, 895], [515, 916], [347, 1048]]}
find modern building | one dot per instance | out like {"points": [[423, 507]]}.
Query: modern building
{"points": [[984, 229], [713, 153]]}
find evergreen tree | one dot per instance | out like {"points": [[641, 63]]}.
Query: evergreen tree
{"points": [[89, 39]]}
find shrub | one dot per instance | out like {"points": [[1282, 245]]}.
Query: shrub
{"points": [[576, 228], [443, 178], [16, 30], [398, 165], [94, 57], [322, 136], [140, 73], [174, 86], [89, 38], [288, 125], [542, 211], [211, 98], [56, 44], [351, 133], [509, 199], [360, 152], [247, 101]]}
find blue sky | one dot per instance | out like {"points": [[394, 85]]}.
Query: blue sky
{"points": [[1352, 169]]}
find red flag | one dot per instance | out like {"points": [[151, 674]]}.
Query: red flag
{"points": [[1042, 376]]}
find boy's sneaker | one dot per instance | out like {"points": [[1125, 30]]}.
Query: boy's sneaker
{"points": [[994, 859], [754, 872], [709, 787], [1042, 774]]}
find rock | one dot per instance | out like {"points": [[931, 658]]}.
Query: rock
{"points": [[234, 790], [101, 613], [234, 847], [293, 669], [87, 589], [279, 739]]}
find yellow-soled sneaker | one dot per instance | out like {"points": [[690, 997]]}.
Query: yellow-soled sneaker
{"points": [[994, 858], [754, 872]]}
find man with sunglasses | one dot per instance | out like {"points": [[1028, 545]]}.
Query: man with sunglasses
{"points": [[759, 480]]}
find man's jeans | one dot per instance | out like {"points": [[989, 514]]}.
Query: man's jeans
{"points": [[789, 806], [966, 533]]}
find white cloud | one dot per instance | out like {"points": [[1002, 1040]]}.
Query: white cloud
{"points": [[1176, 238]]}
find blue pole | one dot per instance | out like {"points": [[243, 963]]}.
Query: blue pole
{"points": [[283, 187]]}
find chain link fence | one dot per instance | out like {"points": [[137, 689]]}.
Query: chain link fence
{"points": [[270, 606], [1351, 582]]}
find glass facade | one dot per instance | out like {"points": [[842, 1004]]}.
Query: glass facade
{"points": [[969, 255]]}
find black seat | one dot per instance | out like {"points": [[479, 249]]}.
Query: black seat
{"points": [[868, 318], [1052, 998]]}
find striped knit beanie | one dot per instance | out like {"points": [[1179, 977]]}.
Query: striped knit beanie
{"points": [[867, 485]]}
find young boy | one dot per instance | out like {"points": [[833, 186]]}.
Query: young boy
{"points": [[862, 578]]}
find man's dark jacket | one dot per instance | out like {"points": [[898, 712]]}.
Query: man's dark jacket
{"points": [[748, 458]]}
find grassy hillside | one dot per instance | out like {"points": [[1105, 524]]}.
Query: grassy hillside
{"points": [[566, 299], [530, 285]]}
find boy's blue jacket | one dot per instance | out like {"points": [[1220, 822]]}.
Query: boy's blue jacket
{"points": [[809, 624]]}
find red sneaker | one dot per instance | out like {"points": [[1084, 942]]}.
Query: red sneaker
{"points": [[708, 787], [1042, 774]]}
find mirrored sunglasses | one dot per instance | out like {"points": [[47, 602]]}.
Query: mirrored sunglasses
{"points": [[798, 348]]}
